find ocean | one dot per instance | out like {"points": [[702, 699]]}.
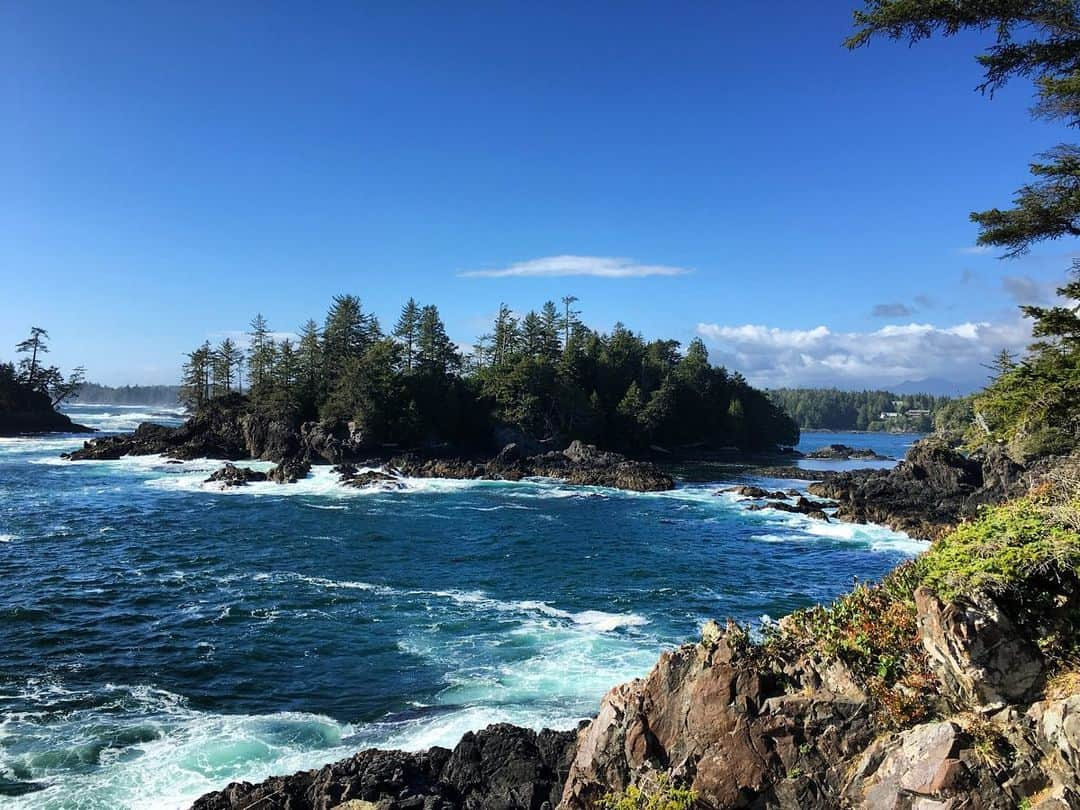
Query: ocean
{"points": [[160, 638]]}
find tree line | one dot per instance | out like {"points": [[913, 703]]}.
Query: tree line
{"points": [[542, 375], [833, 409]]}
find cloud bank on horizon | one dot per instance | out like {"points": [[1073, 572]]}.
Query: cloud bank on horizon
{"points": [[571, 265], [773, 357]]}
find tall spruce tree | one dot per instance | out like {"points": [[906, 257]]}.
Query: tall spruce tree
{"points": [[407, 330]]}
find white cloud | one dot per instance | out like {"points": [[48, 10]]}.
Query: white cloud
{"points": [[773, 357], [567, 265]]}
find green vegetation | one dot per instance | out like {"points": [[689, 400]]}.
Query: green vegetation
{"points": [[1033, 404], [543, 375], [1025, 554], [833, 409], [658, 794]]}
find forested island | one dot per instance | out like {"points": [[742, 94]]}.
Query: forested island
{"points": [[541, 377], [31, 391]]}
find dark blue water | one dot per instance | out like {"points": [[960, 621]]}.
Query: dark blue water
{"points": [[160, 638]]}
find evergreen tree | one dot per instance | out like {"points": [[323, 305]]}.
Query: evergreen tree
{"points": [[549, 331], [505, 338], [1039, 39], [435, 352], [195, 383], [260, 355], [35, 345], [224, 364], [310, 367], [570, 317], [407, 330]]}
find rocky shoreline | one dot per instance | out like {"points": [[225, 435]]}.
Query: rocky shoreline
{"points": [[930, 491], [799, 733], [229, 432], [793, 729]]}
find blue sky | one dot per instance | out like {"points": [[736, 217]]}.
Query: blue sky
{"points": [[169, 169]]}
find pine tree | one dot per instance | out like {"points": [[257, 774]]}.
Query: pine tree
{"points": [[310, 365], [224, 363], [347, 333], [505, 338], [532, 334], [570, 317], [434, 349], [35, 345], [195, 384], [260, 354], [407, 330], [549, 330]]}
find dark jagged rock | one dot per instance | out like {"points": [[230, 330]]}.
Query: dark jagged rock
{"points": [[333, 441], [350, 476], [502, 767], [289, 471], [932, 490], [843, 452], [757, 492], [579, 464], [803, 506], [232, 476]]}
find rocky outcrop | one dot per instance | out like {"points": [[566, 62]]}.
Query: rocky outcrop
{"points": [[26, 410], [580, 464], [842, 452], [745, 732], [502, 767], [351, 476], [232, 476], [983, 660], [932, 490]]}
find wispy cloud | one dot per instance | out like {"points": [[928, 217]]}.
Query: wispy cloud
{"points": [[1027, 290], [892, 311], [569, 265], [772, 356], [976, 250]]}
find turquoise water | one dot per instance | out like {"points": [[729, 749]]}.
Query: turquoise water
{"points": [[160, 638]]}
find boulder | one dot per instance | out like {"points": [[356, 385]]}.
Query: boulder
{"points": [[289, 471], [232, 476], [980, 656], [844, 452], [587, 455]]}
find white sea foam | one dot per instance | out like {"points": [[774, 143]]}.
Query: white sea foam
{"points": [[7, 538]]}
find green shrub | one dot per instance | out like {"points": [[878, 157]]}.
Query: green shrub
{"points": [[659, 794]]}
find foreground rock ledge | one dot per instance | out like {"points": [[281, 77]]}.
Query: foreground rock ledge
{"points": [[742, 733]]}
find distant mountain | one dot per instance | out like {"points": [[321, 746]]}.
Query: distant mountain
{"points": [[96, 394], [937, 386]]}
